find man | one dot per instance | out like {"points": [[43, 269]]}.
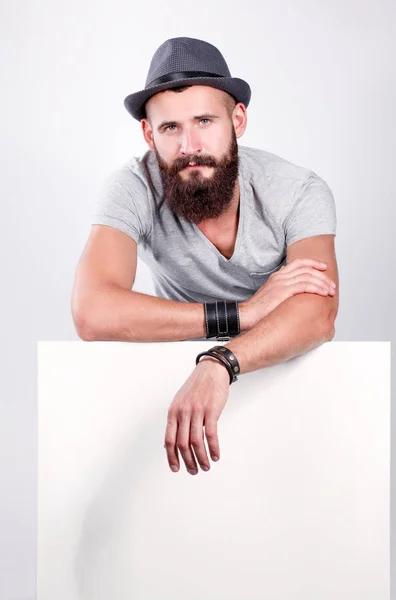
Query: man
{"points": [[239, 241]]}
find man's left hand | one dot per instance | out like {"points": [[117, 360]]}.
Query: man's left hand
{"points": [[198, 403]]}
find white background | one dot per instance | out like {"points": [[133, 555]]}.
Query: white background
{"points": [[297, 506], [323, 96]]}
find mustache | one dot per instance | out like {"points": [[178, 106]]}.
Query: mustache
{"points": [[205, 161]]}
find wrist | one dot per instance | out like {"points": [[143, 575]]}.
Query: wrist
{"points": [[213, 365], [245, 315]]}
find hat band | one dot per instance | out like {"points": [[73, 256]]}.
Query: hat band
{"points": [[181, 75]]}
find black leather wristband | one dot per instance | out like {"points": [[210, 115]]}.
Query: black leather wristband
{"points": [[222, 319]]}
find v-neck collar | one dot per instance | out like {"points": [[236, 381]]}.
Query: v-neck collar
{"points": [[238, 239]]}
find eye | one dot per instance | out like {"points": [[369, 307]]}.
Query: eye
{"points": [[168, 126]]}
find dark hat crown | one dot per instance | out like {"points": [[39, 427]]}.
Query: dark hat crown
{"points": [[186, 54]]}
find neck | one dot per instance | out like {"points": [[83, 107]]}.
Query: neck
{"points": [[228, 218]]}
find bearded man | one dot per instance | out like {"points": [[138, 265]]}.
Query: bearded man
{"points": [[239, 241]]}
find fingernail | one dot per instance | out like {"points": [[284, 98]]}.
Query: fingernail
{"points": [[215, 458], [192, 472], [174, 468], [204, 468]]}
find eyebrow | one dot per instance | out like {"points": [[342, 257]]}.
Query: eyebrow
{"points": [[196, 118]]}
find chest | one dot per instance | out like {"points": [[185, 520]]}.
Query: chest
{"points": [[223, 240]]}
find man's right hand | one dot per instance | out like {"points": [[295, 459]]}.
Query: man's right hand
{"points": [[298, 276]]}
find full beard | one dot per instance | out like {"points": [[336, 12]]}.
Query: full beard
{"points": [[199, 197]]}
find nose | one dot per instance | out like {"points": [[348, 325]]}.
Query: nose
{"points": [[190, 142]]}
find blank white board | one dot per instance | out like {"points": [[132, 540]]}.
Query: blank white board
{"points": [[297, 507]]}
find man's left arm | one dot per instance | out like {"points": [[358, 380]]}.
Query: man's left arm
{"points": [[297, 325], [300, 323]]}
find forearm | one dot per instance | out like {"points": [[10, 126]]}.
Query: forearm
{"points": [[296, 326], [125, 315]]}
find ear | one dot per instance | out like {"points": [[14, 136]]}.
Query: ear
{"points": [[147, 133]]}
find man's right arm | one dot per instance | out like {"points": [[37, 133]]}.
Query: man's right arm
{"points": [[104, 307]]}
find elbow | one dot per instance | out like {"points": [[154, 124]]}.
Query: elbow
{"points": [[85, 333], [329, 320], [330, 334], [82, 319], [330, 327], [83, 328]]}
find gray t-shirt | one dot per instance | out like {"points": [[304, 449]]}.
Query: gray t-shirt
{"points": [[280, 203]]}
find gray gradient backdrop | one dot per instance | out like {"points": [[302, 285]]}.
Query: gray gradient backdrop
{"points": [[323, 96]]}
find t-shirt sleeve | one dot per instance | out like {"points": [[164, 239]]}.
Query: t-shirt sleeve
{"points": [[123, 203], [313, 212]]}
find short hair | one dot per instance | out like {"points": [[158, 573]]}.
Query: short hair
{"points": [[228, 100]]}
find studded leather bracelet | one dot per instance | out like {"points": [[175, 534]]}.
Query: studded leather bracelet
{"points": [[226, 357]]}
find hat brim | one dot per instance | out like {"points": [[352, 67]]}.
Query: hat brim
{"points": [[238, 88]]}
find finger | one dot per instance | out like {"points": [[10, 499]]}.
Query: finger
{"points": [[310, 280], [183, 442], [301, 262], [197, 439], [211, 436], [170, 443], [313, 288], [309, 271]]}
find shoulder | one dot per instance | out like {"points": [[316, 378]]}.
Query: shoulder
{"points": [[259, 164], [123, 202], [276, 180], [131, 174]]}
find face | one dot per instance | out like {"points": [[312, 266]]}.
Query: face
{"points": [[193, 126]]}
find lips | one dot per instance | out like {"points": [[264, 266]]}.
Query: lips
{"points": [[194, 166]]}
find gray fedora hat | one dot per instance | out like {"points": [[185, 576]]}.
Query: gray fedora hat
{"points": [[186, 61]]}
